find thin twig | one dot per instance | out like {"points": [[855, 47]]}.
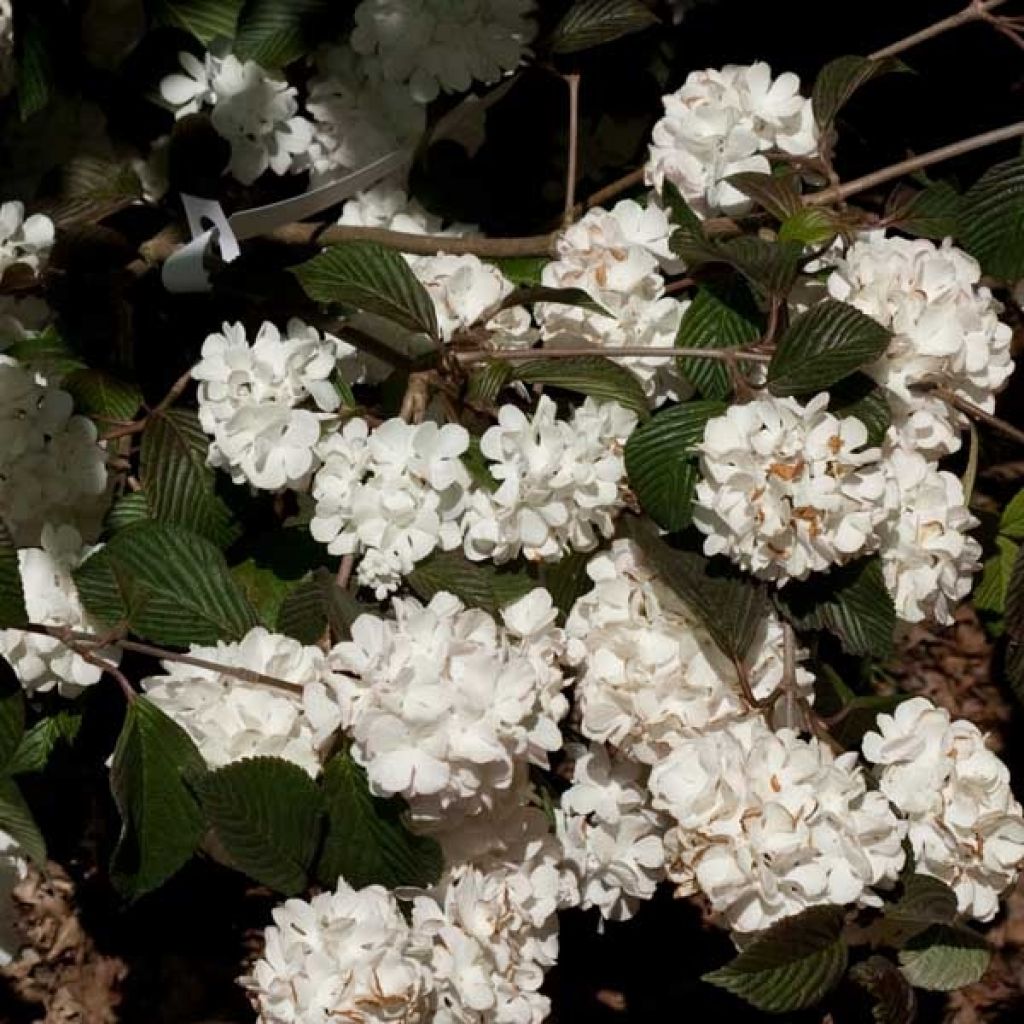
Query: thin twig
{"points": [[974, 11], [974, 411], [485, 355], [137, 426], [615, 188], [573, 83]]}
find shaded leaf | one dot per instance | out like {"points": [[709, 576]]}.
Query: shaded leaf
{"points": [[531, 294], [933, 212], [486, 384], [478, 584], [522, 270], [810, 226], [924, 901], [841, 78], [779, 194], [991, 220], [46, 353], [265, 591], [859, 396], [478, 467], [567, 580], [42, 739], [990, 593], [12, 715], [945, 958], [92, 189], [204, 19], [130, 507], [316, 604], [894, 998], [595, 22], [12, 596], [588, 375], [1011, 522], [275, 32], [102, 396], [17, 821]]}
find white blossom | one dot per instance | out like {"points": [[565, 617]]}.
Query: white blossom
{"points": [[614, 256], [388, 206], [347, 954], [230, 718], [788, 489], [560, 482], [391, 495], [945, 325], [650, 673], [264, 405], [435, 45], [723, 122], [13, 869], [768, 824], [610, 835], [928, 556], [965, 826], [24, 240], [41, 662], [443, 703]]}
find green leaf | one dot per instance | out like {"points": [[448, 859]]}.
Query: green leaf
{"points": [[791, 966], [895, 1000], [366, 842], [276, 32], [822, 346], [131, 507], [589, 375], [17, 821], [205, 19], [1014, 622], [12, 596], [372, 278], [662, 465], [731, 606], [46, 353], [266, 813], [522, 270], [779, 194], [595, 22], [478, 467], [314, 605], [567, 580], [933, 212], [945, 958], [36, 746], [810, 226], [161, 822], [841, 78], [178, 483], [33, 45], [851, 601], [991, 221], [102, 396], [1011, 522], [859, 713], [720, 316], [990, 593], [168, 584], [93, 188], [859, 396], [478, 584], [12, 715], [485, 385], [772, 267], [531, 294], [263, 588], [924, 902]]}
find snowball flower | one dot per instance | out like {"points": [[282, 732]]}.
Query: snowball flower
{"points": [[723, 122], [946, 330], [928, 557], [264, 404], [391, 495], [768, 824], [229, 718], [387, 206], [443, 703], [25, 240], [965, 826], [560, 482], [347, 954], [42, 663], [435, 45], [788, 489], [614, 255], [650, 673]]}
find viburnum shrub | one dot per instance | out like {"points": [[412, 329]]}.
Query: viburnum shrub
{"points": [[454, 580]]}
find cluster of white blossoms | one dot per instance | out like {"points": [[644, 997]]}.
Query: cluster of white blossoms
{"points": [[431, 46], [13, 869], [614, 256], [965, 827], [767, 824], [444, 704], [650, 676], [946, 331], [42, 662], [24, 240], [230, 718], [255, 112], [52, 467], [722, 122], [264, 405], [788, 489]]}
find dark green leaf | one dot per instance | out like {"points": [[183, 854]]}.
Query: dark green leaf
{"points": [[662, 465], [102, 396], [478, 584], [33, 54], [1011, 522], [39, 742], [990, 593], [859, 713], [46, 353], [205, 19], [12, 597], [161, 822], [859, 396], [791, 966], [372, 278], [265, 590], [17, 821], [12, 715], [487, 383], [945, 958], [93, 189], [1014, 621], [366, 842], [531, 294], [895, 1001], [841, 78], [933, 212], [810, 226], [924, 902], [595, 22], [827, 343], [772, 267], [275, 32], [779, 194], [168, 584], [589, 375], [266, 813], [316, 604], [522, 270], [567, 579], [131, 507], [991, 221], [478, 467]]}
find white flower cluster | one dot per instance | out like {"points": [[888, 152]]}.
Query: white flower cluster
{"points": [[650, 674], [610, 834], [965, 826], [767, 824], [614, 256], [435, 45], [254, 400], [724, 122], [788, 489], [40, 662], [255, 112], [52, 468], [229, 718], [444, 704], [24, 240], [560, 482], [946, 330]]}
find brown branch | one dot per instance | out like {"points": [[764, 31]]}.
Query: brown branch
{"points": [[974, 11], [137, 426], [573, 83], [975, 412], [484, 355]]}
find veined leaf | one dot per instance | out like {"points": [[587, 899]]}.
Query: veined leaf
{"points": [[12, 596], [595, 22], [594, 376], [841, 78]]}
